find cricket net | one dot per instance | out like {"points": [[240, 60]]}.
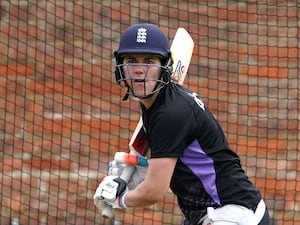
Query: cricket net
{"points": [[62, 118]]}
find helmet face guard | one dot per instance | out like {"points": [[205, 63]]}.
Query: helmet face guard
{"points": [[143, 39], [127, 82]]}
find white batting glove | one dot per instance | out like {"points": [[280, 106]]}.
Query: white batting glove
{"points": [[121, 160], [119, 202], [115, 168], [110, 191]]}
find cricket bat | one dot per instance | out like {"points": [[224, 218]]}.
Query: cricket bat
{"points": [[182, 50]]}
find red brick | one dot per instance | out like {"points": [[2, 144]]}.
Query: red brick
{"points": [[4, 29], [236, 14], [11, 164], [283, 15], [11, 87], [16, 104], [282, 189], [86, 91], [17, 69], [100, 144], [2, 53], [49, 163], [50, 88], [254, 146], [57, 146], [13, 125], [263, 71], [14, 202], [16, 145], [120, 13], [20, 31], [274, 54], [51, 126], [226, 52], [19, 52], [87, 126], [25, 184], [89, 73]]}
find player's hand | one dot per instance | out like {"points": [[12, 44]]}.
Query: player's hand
{"points": [[115, 168], [121, 160], [110, 190], [119, 202], [101, 204]]}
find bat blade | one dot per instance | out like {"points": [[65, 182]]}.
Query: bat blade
{"points": [[138, 141], [182, 51]]}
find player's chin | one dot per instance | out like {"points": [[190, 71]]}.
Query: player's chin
{"points": [[139, 95], [139, 90], [143, 87]]}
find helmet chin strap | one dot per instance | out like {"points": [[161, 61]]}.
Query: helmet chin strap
{"points": [[125, 98]]}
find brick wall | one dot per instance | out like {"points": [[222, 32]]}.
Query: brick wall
{"points": [[62, 119]]}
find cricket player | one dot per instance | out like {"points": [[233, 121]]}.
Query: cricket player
{"points": [[189, 151]]}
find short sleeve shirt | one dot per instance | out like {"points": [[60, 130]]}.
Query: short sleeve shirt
{"points": [[207, 173]]}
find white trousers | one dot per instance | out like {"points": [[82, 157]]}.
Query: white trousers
{"points": [[234, 215]]}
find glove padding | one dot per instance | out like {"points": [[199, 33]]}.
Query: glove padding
{"points": [[101, 204], [111, 191], [117, 166]]}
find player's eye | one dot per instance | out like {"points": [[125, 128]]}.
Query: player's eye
{"points": [[129, 61], [149, 61]]}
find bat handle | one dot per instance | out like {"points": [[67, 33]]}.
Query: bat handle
{"points": [[108, 211]]}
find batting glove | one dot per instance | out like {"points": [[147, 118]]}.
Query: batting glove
{"points": [[111, 190], [121, 160]]}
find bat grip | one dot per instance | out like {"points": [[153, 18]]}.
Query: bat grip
{"points": [[108, 211], [127, 172]]}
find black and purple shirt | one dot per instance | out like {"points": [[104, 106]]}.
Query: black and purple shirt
{"points": [[208, 173]]}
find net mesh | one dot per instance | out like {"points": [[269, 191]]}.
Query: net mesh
{"points": [[62, 118]]}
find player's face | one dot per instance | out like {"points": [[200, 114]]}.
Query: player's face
{"points": [[142, 73]]}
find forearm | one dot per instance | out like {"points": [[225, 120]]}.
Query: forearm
{"points": [[155, 186], [142, 196]]}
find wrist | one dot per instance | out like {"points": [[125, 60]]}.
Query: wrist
{"points": [[122, 200]]}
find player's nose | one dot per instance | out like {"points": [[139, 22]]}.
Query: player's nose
{"points": [[139, 69]]}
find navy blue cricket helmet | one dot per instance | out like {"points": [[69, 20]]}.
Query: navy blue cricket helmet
{"points": [[144, 38]]}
